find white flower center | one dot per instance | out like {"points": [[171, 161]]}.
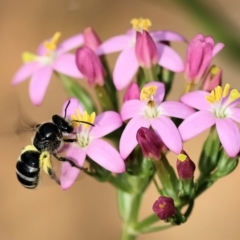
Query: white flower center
{"points": [[83, 138]]}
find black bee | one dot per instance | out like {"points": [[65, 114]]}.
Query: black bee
{"points": [[47, 141]]}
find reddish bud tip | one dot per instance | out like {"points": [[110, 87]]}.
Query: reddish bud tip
{"points": [[185, 166], [150, 143]]}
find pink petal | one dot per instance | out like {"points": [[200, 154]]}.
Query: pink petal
{"points": [[106, 123], [128, 139], [169, 59], [125, 68], [114, 44], [66, 64], [106, 155], [131, 108], [168, 132], [176, 109], [41, 50], [197, 100], [132, 92], [217, 48], [167, 36], [68, 173], [160, 90], [74, 104], [229, 136], [70, 43], [235, 114], [24, 72], [195, 124], [39, 83]]}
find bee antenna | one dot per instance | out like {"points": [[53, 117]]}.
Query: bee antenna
{"points": [[66, 108], [83, 122]]}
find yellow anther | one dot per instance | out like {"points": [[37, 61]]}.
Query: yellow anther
{"points": [[214, 71], [148, 92], [140, 24], [218, 93], [234, 95], [52, 43], [83, 117], [226, 90], [182, 157], [28, 57]]}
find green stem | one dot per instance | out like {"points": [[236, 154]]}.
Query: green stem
{"points": [[129, 204]]}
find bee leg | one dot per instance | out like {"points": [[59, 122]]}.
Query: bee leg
{"points": [[73, 164], [69, 140], [53, 176]]}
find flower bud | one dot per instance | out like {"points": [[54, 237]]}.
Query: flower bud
{"points": [[146, 50], [90, 66], [213, 79], [91, 39], [200, 52], [185, 166], [164, 207], [132, 92], [150, 143]]}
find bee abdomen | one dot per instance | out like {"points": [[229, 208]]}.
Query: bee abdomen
{"points": [[27, 169]]}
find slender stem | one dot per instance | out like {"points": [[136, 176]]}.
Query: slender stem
{"points": [[129, 204]]}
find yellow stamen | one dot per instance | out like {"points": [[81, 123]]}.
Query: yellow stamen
{"points": [[226, 90], [214, 71], [182, 157], [140, 24], [83, 117], [28, 57], [52, 43], [234, 95], [148, 92]]}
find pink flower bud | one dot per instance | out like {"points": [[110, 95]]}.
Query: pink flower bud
{"points": [[133, 92], [91, 39], [185, 166], [146, 50], [150, 143], [213, 79], [90, 66], [164, 207], [200, 52]]}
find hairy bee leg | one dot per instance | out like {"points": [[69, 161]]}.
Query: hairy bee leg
{"points": [[73, 164], [53, 176], [69, 140]]}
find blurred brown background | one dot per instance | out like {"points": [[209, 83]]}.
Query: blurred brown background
{"points": [[88, 210]]}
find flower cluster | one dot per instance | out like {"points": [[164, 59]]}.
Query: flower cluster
{"points": [[127, 145]]}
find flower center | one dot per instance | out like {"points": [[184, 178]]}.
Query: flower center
{"points": [[151, 110], [161, 205], [48, 57], [220, 99], [140, 24], [83, 136]]}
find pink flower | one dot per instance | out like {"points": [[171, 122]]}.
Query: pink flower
{"points": [[89, 142], [213, 79], [146, 50], [127, 65], [91, 39], [50, 57], [90, 66], [200, 52], [132, 92], [218, 107], [148, 111]]}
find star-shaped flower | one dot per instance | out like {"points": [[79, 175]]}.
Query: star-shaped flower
{"points": [[50, 57]]}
